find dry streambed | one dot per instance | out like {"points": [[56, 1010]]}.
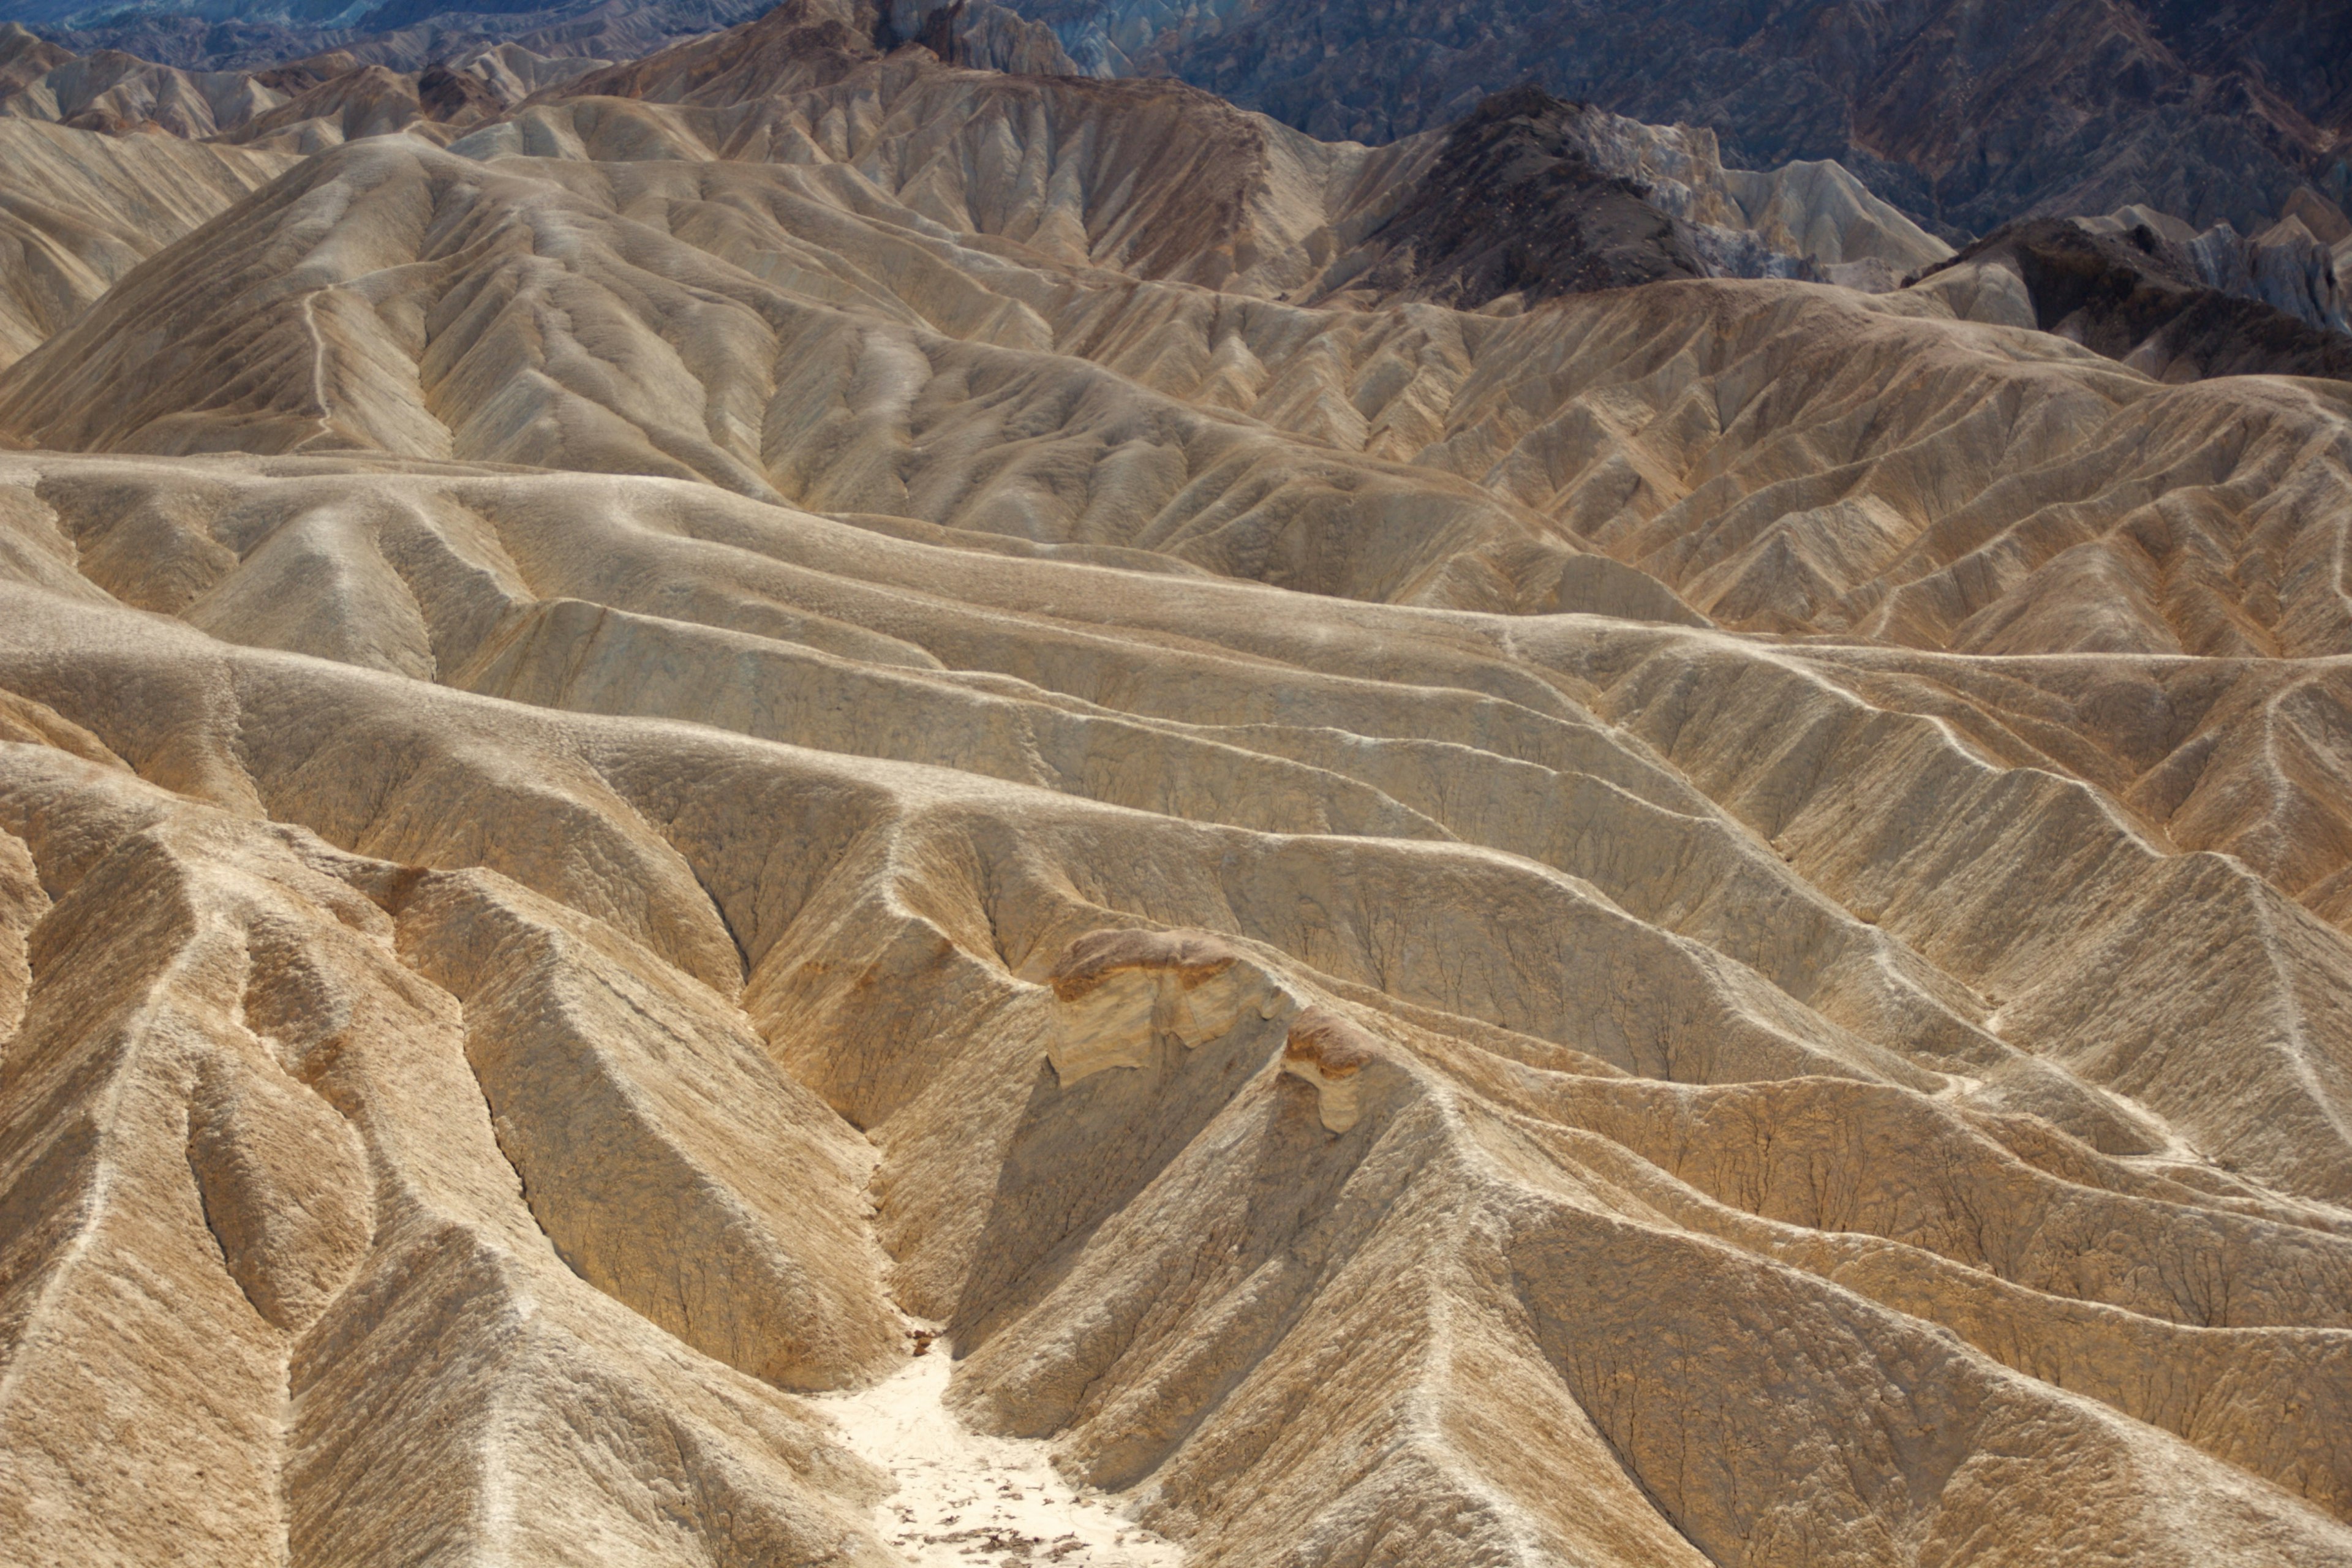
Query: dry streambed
{"points": [[963, 1497]]}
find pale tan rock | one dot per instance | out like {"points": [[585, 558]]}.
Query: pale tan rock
{"points": [[1119, 993], [621, 1096], [460, 1361], [284, 1188], [22, 904], [79, 210], [1705, 924], [1325, 1051]]}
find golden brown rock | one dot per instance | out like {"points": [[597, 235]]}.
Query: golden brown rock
{"points": [[648, 759]]}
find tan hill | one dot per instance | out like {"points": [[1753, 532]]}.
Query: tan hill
{"points": [[810, 699], [79, 211], [113, 91]]}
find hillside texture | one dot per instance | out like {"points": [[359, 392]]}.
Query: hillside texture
{"points": [[788, 697]]}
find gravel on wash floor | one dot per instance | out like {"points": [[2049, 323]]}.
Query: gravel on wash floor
{"points": [[964, 1496]]}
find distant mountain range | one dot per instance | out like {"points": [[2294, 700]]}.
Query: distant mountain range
{"points": [[213, 34], [1965, 115], [1968, 112]]}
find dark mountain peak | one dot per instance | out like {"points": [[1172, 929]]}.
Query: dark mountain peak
{"points": [[455, 95], [1527, 101], [1514, 203]]}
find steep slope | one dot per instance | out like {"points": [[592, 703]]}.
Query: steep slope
{"points": [[804, 700], [79, 211]]}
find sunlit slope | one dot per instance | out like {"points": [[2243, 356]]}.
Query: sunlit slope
{"points": [[1705, 923]]}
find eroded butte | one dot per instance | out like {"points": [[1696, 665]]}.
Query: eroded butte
{"points": [[790, 690]]}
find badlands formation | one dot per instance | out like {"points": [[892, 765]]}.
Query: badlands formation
{"points": [[1438, 912]]}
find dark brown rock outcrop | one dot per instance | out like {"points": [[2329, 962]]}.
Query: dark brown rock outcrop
{"points": [[1515, 203], [2135, 298]]}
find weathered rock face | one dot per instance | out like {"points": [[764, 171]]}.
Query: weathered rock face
{"points": [[814, 691], [2290, 266]]}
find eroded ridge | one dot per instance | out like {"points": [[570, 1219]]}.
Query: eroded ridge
{"points": [[1705, 923]]}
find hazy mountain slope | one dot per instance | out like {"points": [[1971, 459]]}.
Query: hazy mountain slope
{"points": [[802, 695], [410, 35], [1963, 115], [209, 35], [1968, 113], [114, 91], [298, 107]]}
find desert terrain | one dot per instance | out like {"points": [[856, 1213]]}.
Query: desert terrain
{"points": [[1676, 896]]}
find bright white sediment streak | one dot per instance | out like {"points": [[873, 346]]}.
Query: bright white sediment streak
{"points": [[967, 1499]]}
